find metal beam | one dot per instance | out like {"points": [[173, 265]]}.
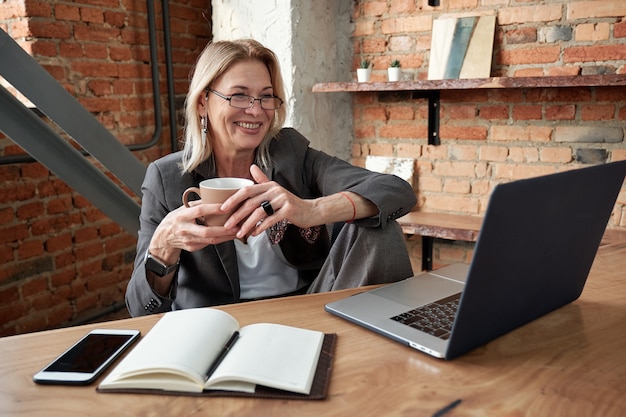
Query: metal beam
{"points": [[32, 80], [48, 147]]}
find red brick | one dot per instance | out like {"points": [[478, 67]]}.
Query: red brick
{"points": [[435, 152], [121, 53], [593, 32], [16, 310], [13, 233], [43, 48], [496, 112], [529, 72], [410, 131], [89, 269], [380, 149], [456, 186], [375, 8], [44, 30], [535, 55], [100, 87], [401, 113], [9, 173], [101, 104], [375, 113], [65, 259], [619, 29], [594, 53], [463, 132], [595, 8], [409, 150], [521, 171], [59, 205], [59, 313], [116, 19], [562, 112], [71, 50], [30, 210], [521, 133], [67, 12], [556, 155], [85, 234], [493, 153], [34, 286], [59, 242], [527, 112], [91, 15], [401, 7], [119, 243], [430, 183], [34, 170], [519, 36], [529, 14], [95, 51], [363, 28], [419, 23], [566, 95], [37, 9], [597, 112], [570, 70], [461, 111], [12, 10], [462, 169]]}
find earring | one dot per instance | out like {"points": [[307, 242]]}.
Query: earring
{"points": [[204, 122]]}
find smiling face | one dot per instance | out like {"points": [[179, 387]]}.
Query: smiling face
{"points": [[238, 132]]}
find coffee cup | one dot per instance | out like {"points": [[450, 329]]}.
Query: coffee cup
{"points": [[216, 191]]}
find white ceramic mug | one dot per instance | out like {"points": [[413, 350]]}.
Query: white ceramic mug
{"points": [[216, 191]]}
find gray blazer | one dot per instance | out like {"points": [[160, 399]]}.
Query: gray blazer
{"points": [[209, 276]]}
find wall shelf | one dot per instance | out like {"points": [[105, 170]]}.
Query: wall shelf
{"points": [[431, 89]]}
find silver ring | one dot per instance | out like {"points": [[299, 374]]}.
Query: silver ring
{"points": [[267, 207]]}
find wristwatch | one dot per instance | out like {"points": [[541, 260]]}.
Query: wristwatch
{"points": [[156, 266]]}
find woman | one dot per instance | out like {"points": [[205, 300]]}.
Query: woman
{"points": [[276, 243]]}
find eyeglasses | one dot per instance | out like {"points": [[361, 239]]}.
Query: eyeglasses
{"points": [[243, 101]]}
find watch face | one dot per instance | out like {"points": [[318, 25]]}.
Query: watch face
{"points": [[155, 266]]}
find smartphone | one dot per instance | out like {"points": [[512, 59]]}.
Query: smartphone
{"points": [[84, 361]]}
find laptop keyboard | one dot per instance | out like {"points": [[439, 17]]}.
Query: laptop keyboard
{"points": [[435, 318]]}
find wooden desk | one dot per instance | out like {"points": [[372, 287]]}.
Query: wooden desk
{"points": [[571, 363]]}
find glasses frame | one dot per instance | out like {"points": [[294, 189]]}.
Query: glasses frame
{"points": [[252, 99]]}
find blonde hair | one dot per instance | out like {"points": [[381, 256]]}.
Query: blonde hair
{"points": [[215, 59]]}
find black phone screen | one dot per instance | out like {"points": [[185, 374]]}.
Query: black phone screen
{"points": [[87, 355]]}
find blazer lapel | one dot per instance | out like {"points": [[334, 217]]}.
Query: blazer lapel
{"points": [[228, 256]]}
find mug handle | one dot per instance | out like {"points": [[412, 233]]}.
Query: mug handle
{"points": [[188, 191]]}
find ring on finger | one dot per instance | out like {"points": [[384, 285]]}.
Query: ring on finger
{"points": [[267, 207]]}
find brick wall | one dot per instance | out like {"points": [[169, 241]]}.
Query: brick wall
{"points": [[494, 136], [61, 259]]}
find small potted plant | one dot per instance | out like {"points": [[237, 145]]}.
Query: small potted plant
{"points": [[364, 72], [393, 72]]}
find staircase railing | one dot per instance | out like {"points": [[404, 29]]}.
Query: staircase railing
{"points": [[26, 129]]}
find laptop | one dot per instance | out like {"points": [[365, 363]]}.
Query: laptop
{"points": [[536, 245]]}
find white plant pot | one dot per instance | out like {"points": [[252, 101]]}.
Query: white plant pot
{"points": [[363, 74], [393, 73]]}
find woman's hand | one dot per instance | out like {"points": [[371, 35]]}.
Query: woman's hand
{"points": [[179, 230], [253, 220]]}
